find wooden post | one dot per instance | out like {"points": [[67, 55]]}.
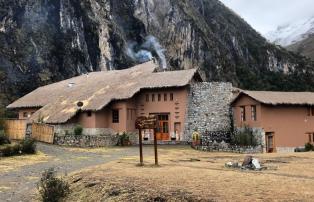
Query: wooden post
{"points": [[141, 147], [155, 146]]}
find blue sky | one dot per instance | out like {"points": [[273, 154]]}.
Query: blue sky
{"points": [[267, 15]]}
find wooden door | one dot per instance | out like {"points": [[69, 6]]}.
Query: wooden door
{"points": [[163, 127], [270, 143]]}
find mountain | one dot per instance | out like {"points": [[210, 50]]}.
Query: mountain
{"points": [[304, 47], [44, 41], [297, 37]]}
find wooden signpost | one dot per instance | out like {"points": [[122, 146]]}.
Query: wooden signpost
{"points": [[143, 123]]}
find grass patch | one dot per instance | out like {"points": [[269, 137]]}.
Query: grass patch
{"points": [[180, 179]]}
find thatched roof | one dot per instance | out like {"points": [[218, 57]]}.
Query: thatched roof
{"points": [[96, 90], [279, 98]]}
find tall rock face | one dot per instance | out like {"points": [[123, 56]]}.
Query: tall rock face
{"points": [[43, 41]]}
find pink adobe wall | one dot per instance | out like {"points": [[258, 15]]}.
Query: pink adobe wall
{"points": [[137, 106], [176, 108], [29, 111], [290, 124]]}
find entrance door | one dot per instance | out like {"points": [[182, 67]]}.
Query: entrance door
{"points": [[163, 127], [270, 143]]}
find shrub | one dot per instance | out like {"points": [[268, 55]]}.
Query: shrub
{"points": [[11, 150], [308, 147], [51, 188], [244, 137], [4, 139], [78, 130], [28, 146], [124, 139]]}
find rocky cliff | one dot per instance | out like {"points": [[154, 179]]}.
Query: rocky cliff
{"points": [[43, 41]]}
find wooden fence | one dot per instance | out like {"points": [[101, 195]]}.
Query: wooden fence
{"points": [[15, 129], [43, 132]]}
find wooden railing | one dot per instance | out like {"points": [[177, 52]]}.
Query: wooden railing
{"points": [[15, 129]]}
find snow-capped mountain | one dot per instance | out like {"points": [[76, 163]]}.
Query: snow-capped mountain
{"points": [[292, 33]]}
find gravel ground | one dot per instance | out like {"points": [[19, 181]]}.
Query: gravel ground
{"points": [[20, 183]]}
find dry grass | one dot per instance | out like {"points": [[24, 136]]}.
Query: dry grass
{"points": [[8, 164], [188, 175], [100, 150]]}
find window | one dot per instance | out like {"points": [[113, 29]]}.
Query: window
{"points": [[89, 113], [115, 116], [147, 98], [253, 113], [25, 114], [159, 97], [153, 97], [242, 113], [171, 96], [165, 97], [313, 137], [310, 111], [310, 137]]}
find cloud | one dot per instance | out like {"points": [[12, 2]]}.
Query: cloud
{"points": [[267, 15]]}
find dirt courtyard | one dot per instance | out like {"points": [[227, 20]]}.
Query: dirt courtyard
{"points": [[188, 175]]}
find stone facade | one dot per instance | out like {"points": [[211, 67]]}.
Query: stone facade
{"points": [[68, 129], [225, 147], [91, 137], [209, 110], [86, 140]]}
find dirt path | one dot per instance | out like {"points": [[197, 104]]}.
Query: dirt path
{"points": [[18, 184]]}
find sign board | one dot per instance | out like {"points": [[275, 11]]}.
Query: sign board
{"points": [[146, 122], [143, 123]]}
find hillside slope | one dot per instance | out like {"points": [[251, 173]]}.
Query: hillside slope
{"points": [[304, 47], [43, 41]]}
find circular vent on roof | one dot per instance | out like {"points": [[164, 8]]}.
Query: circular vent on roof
{"points": [[80, 104]]}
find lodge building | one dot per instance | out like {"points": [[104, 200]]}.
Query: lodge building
{"points": [[284, 121], [109, 102]]}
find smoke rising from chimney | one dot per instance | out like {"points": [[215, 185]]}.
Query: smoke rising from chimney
{"points": [[144, 52]]}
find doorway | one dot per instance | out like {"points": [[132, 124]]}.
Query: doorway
{"points": [[270, 142], [162, 132]]}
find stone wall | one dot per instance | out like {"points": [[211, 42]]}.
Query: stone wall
{"points": [[91, 137], [208, 109], [225, 147], [68, 129], [86, 140]]}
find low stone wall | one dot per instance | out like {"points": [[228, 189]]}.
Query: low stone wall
{"points": [[219, 136], [68, 129], [86, 140], [225, 147]]}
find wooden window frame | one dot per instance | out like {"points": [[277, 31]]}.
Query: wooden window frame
{"points": [[115, 115], [147, 97], [253, 113], [171, 96], [242, 114], [165, 97], [153, 97]]}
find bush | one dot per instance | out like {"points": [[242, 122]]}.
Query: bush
{"points": [[51, 188], [4, 139], [11, 150], [309, 147], [78, 130], [244, 137], [124, 139], [28, 146]]}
